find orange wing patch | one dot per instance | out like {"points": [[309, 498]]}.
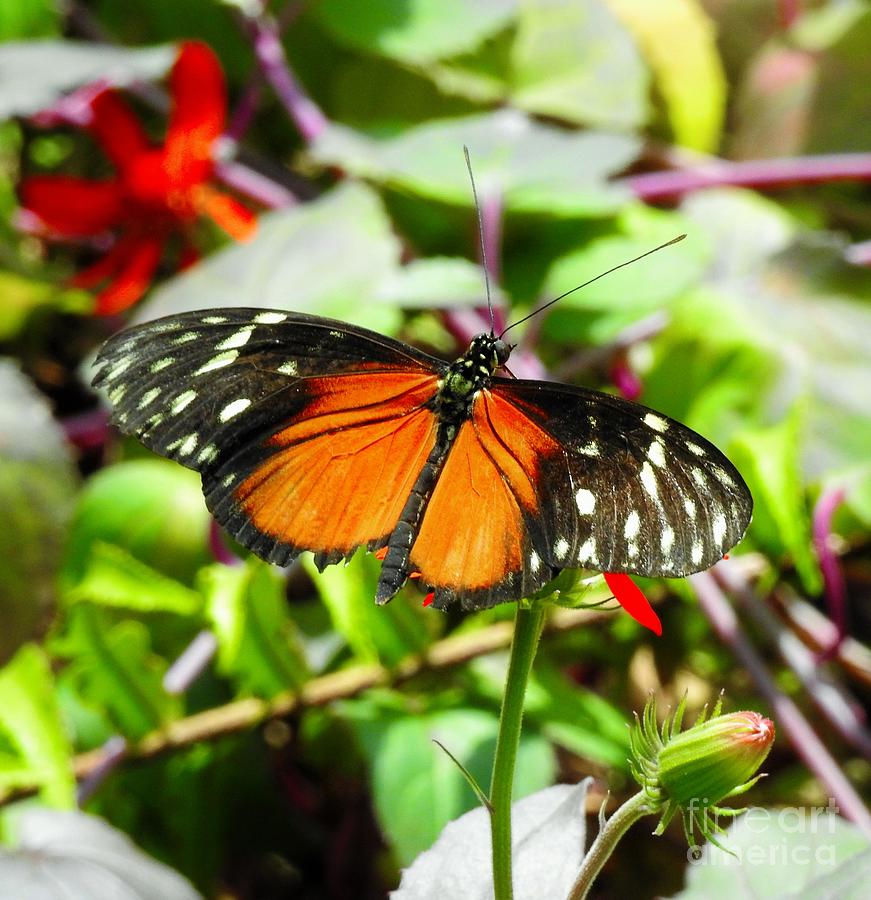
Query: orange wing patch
{"points": [[342, 472], [473, 535]]}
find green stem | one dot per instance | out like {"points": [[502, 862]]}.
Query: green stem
{"points": [[610, 833], [527, 630]]}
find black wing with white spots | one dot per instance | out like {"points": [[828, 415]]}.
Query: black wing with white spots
{"points": [[631, 490]]}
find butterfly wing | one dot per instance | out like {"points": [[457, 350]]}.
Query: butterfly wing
{"points": [[564, 477], [308, 432]]}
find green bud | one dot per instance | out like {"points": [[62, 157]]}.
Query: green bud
{"points": [[692, 771]]}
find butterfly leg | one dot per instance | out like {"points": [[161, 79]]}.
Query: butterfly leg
{"points": [[395, 568]]}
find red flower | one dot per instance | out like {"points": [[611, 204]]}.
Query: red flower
{"points": [[157, 190]]}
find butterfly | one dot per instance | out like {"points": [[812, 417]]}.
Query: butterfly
{"points": [[313, 434]]}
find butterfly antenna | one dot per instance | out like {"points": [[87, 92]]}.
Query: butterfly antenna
{"points": [[480, 236], [628, 262]]}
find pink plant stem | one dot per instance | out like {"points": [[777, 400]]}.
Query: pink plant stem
{"points": [[492, 215], [113, 753], [245, 109], [191, 663], [787, 715], [789, 10], [835, 703], [833, 577], [859, 254], [268, 49], [763, 173], [254, 184]]}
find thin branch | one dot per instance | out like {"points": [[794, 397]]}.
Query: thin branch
{"points": [[244, 715], [763, 174], [830, 566], [788, 716]]}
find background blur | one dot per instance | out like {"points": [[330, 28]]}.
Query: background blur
{"points": [[141, 651]]}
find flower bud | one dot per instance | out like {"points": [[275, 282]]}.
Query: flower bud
{"points": [[711, 760], [691, 771]]}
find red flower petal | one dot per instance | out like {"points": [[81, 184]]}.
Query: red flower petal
{"points": [[117, 129], [137, 260], [199, 110], [72, 206], [237, 220], [629, 596]]}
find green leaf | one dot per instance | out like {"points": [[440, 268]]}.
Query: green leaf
{"points": [[37, 485], [632, 292], [112, 667], [574, 60], [794, 852], [257, 642], [31, 721], [23, 296], [292, 264], [789, 291], [437, 282], [417, 788], [689, 75], [576, 718], [768, 458], [113, 577], [417, 31], [535, 168], [151, 508], [28, 19], [379, 634], [35, 74]]}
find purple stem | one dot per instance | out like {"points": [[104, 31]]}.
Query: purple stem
{"points": [[789, 12], [268, 49], [834, 702], [191, 664], [833, 576], [254, 184], [113, 753], [625, 379], [804, 739], [763, 173], [219, 549], [87, 430], [246, 109]]}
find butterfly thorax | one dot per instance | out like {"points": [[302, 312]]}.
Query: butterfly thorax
{"points": [[468, 375]]}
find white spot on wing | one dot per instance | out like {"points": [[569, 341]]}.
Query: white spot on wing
{"points": [[587, 553], [722, 475], [695, 448], [697, 552], [656, 454], [214, 320], [185, 338], [561, 547], [534, 562], [288, 368], [117, 394], [690, 507], [161, 364], [149, 397], [648, 481], [119, 368], [270, 318], [234, 408], [700, 479], [657, 423], [188, 445], [182, 402], [633, 525], [218, 362], [227, 480], [667, 540], [208, 454], [591, 449], [718, 528], [238, 339], [337, 334], [586, 501]]}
